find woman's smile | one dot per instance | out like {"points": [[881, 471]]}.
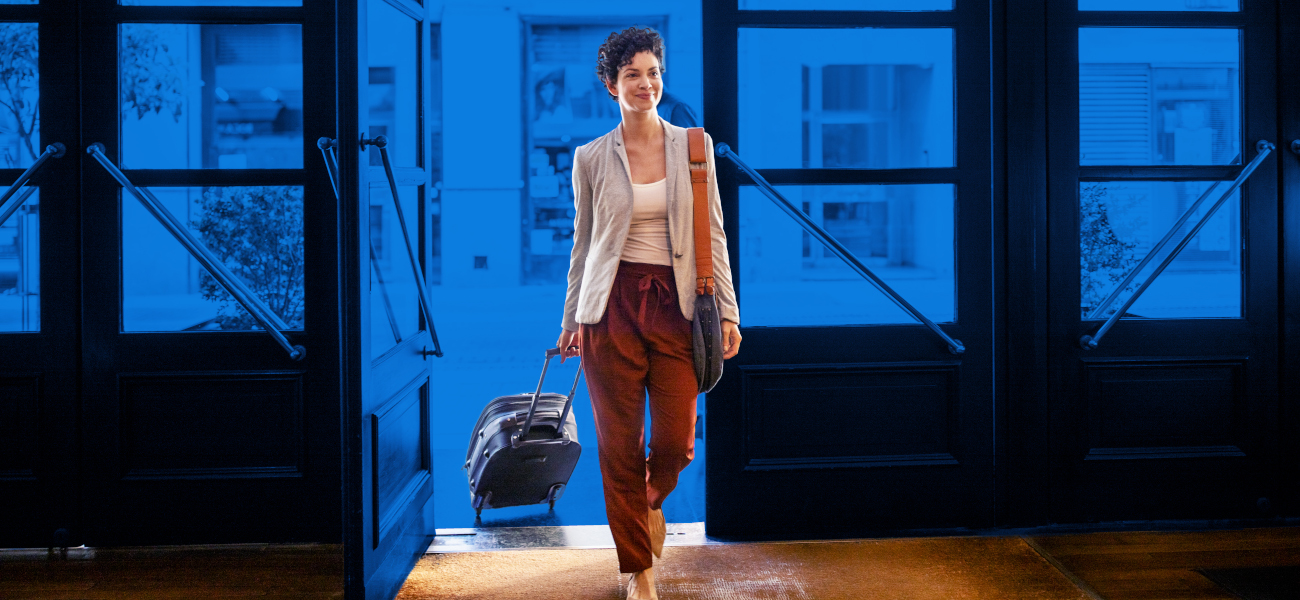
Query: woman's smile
{"points": [[639, 83]]}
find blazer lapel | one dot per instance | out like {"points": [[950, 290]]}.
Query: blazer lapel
{"points": [[621, 150], [624, 184]]}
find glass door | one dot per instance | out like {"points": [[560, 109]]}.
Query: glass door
{"points": [[1163, 206], [844, 409], [200, 426], [170, 341], [386, 192]]}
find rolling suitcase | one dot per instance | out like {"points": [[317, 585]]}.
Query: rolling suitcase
{"points": [[518, 453]]}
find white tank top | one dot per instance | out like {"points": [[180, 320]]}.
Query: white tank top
{"points": [[647, 238]]}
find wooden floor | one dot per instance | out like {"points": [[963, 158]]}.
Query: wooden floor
{"points": [[1112, 566], [175, 572], [1161, 565]]}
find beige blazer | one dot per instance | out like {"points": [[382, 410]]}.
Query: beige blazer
{"points": [[602, 197]]}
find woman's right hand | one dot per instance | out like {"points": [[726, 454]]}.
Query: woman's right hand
{"points": [[568, 344]]}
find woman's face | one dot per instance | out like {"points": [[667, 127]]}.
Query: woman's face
{"points": [[640, 84]]}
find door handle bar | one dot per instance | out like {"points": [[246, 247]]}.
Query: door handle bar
{"points": [[722, 149], [270, 322], [328, 147], [1264, 148], [8, 208], [1169, 235], [381, 142]]}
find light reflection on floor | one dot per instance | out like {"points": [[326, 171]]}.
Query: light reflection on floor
{"points": [[537, 538]]}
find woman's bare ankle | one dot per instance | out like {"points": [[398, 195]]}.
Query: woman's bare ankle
{"points": [[641, 586]]}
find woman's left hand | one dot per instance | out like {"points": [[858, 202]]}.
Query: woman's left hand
{"points": [[730, 339]]}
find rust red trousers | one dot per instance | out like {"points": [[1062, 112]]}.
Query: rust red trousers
{"points": [[642, 344]]}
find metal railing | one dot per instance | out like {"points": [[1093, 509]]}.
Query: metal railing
{"points": [[954, 346], [246, 298], [381, 142], [328, 147], [12, 199], [1089, 342]]}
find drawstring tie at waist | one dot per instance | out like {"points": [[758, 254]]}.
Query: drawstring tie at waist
{"points": [[644, 285]]}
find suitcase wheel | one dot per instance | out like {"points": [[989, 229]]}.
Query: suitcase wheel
{"points": [[479, 502], [553, 493]]}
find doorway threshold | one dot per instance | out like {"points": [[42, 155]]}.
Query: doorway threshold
{"points": [[572, 537]]}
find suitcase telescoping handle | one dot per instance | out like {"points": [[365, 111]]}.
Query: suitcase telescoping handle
{"points": [[568, 403]]}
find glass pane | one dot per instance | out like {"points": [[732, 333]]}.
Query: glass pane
{"points": [[211, 96], [846, 5], [20, 127], [853, 98], [394, 301], [903, 233], [1119, 223], [20, 264], [1214, 5], [1159, 96], [393, 46], [255, 231], [210, 2]]}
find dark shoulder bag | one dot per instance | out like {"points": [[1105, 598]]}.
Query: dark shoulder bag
{"points": [[706, 327]]}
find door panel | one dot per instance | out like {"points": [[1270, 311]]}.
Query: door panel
{"points": [[1172, 415], [174, 376], [394, 489], [907, 416], [847, 416]]}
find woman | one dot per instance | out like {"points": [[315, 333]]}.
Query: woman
{"points": [[631, 296]]}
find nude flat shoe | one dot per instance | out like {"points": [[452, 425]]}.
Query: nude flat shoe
{"points": [[658, 532], [637, 591]]}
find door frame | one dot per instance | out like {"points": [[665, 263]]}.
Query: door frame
{"points": [[46, 362], [1288, 89], [1024, 433]]}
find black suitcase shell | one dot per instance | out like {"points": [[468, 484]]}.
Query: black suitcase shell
{"points": [[512, 462]]}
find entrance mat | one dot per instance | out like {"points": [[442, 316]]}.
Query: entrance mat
{"points": [[957, 568], [1260, 583]]}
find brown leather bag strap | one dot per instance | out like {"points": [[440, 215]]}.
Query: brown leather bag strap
{"points": [[700, 191]]}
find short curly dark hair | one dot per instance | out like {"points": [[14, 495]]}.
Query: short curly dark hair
{"points": [[621, 46]]}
